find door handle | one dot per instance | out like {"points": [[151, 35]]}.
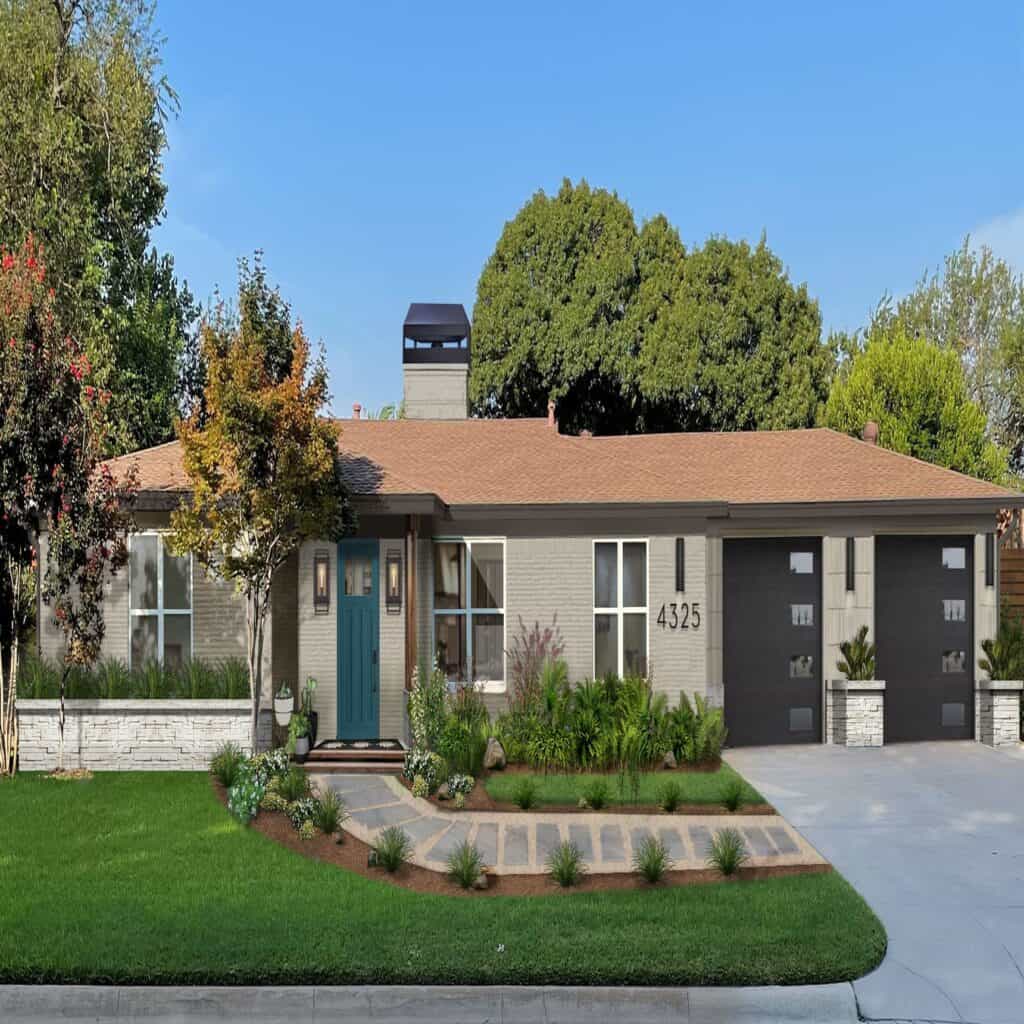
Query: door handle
{"points": [[375, 656]]}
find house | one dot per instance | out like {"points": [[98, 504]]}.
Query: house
{"points": [[729, 565]]}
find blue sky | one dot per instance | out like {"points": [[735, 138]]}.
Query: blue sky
{"points": [[375, 150]]}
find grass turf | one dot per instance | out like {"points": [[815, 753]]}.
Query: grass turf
{"points": [[143, 878], [696, 787]]}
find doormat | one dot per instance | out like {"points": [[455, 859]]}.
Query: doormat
{"points": [[360, 746]]}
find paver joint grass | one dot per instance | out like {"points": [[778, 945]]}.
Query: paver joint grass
{"points": [[145, 879]]}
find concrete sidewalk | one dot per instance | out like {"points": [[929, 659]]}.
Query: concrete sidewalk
{"points": [[518, 842], [819, 1004]]}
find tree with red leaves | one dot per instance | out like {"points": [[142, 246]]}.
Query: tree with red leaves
{"points": [[52, 437]]}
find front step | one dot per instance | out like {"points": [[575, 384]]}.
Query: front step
{"points": [[356, 752], [353, 767]]}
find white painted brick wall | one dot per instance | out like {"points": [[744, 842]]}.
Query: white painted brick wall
{"points": [[133, 735]]}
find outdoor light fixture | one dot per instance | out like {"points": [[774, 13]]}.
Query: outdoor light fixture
{"points": [[321, 583], [393, 583]]}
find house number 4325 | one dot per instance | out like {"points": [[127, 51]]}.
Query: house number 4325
{"points": [[679, 616]]}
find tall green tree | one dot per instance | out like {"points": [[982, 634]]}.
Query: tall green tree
{"points": [[83, 108], [917, 393], [974, 306], [627, 331]]}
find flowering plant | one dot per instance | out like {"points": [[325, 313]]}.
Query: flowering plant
{"points": [[425, 764]]}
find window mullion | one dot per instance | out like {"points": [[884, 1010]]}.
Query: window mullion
{"points": [[619, 601], [160, 599], [468, 547]]}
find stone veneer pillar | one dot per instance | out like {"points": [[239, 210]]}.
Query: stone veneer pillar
{"points": [[856, 712], [997, 712]]}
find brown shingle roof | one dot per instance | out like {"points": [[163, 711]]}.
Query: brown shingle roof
{"points": [[513, 462]]}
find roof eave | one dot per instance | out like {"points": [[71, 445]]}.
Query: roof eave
{"points": [[896, 507]]}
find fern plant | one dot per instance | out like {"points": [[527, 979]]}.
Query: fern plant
{"points": [[1004, 655], [858, 657]]}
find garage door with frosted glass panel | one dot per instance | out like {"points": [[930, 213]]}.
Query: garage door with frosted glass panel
{"points": [[924, 635], [772, 640]]}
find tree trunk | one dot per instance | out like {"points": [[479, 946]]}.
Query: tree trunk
{"points": [[60, 717], [10, 649], [255, 622]]}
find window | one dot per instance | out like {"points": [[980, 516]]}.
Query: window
{"points": [[160, 603], [801, 562], [954, 610], [954, 716], [801, 666], [954, 558], [990, 559], [803, 614], [469, 610], [680, 565], [851, 565], [954, 662], [801, 719], [620, 608]]}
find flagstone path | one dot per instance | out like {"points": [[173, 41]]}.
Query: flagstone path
{"points": [[518, 842]]}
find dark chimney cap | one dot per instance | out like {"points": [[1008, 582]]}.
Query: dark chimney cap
{"points": [[439, 332], [870, 432]]}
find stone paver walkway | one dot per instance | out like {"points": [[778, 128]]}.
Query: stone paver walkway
{"points": [[519, 842]]}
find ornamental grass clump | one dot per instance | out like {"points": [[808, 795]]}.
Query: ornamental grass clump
{"points": [[225, 764], [330, 813], [392, 848], [566, 865], [651, 860], [595, 794], [465, 865], [524, 795], [728, 852], [670, 796], [732, 794], [294, 784]]}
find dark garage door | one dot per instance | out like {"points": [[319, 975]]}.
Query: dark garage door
{"points": [[772, 640], [923, 621]]}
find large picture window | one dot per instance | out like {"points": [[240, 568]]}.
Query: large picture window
{"points": [[469, 611], [620, 608], [160, 603]]}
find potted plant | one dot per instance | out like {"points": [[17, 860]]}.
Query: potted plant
{"points": [[857, 716], [307, 709], [284, 704], [298, 734], [998, 698]]}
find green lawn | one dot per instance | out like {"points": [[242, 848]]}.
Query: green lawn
{"points": [[696, 787], [143, 878]]}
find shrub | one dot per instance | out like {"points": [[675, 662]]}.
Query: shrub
{"points": [[528, 651], [595, 794], [651, 860], [465, 865], [428, 765], [271, 764], [463, 744], [696, 732], [308, 829], [524, 793], [293, 784], [728, 852], [392, 848], [226, 762], [732, 794], [247, 792], [330, 812], [565, 864], [858, 656], [670, 796], [273, 801], [303, 810], [460, 785], [459, 802], [1004, 655], [427, 707], [420, 788]]}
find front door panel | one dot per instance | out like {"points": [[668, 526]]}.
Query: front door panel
{"points": [[358, 640], [772, 640], [924, 626]]}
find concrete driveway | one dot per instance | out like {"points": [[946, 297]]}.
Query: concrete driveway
{"points": [[932, 835]]}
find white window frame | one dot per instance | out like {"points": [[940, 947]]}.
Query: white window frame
{"points": [[160, 611], [619, 611], [483, 685]]}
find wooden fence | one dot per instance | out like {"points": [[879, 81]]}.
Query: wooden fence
{"points": [[1011, 578]]}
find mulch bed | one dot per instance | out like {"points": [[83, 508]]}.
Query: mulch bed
{"points": [[478, 799], [352, 853]]}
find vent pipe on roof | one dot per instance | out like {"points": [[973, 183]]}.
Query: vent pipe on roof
{"points": [[356, 410], [870, 432]]}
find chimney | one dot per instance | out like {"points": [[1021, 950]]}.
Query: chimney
{"points": [[870, 432], [356, 410], [435, 361], [552, 422]]}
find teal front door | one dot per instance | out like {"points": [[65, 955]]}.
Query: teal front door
{"points": [[358, 640]]}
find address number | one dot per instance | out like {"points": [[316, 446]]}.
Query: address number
{"points": [[679, 616]]}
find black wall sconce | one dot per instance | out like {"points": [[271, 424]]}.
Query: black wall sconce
{"points": [[393, 582], [321, 583]]}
